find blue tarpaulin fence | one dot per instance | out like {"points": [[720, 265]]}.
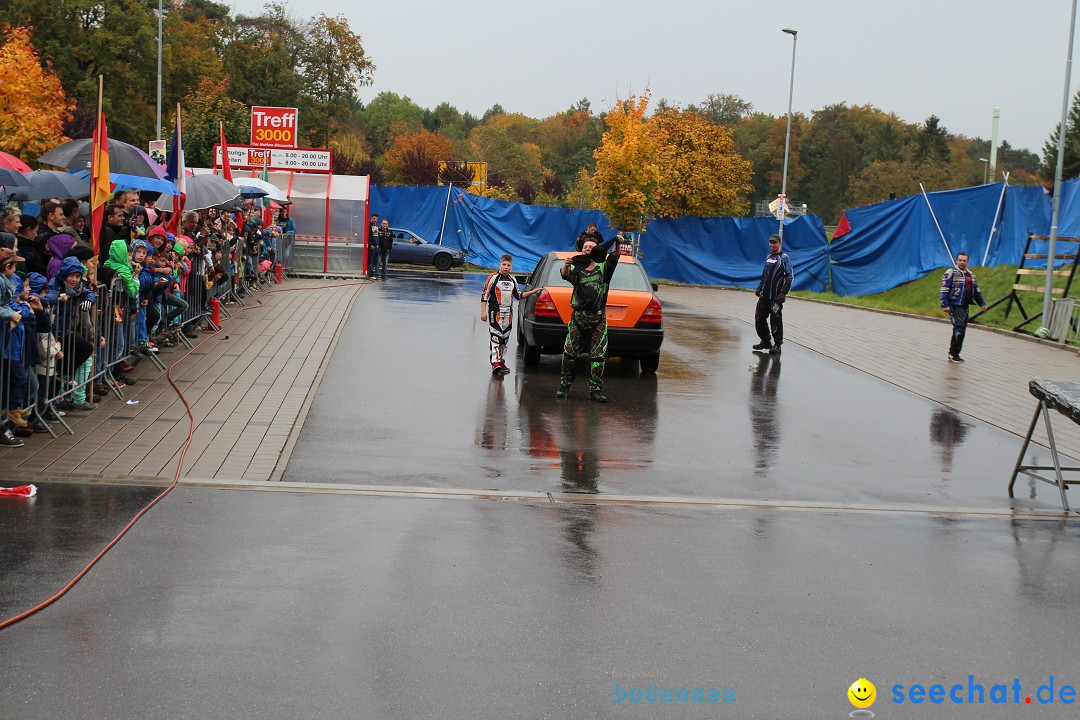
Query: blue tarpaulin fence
{"points": [[888, 243]]}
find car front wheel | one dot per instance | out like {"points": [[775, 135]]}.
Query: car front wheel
{"points": [[443, 261], [649, 363]]}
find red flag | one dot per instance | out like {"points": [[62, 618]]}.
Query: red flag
{"points": [[100, 189], [226, 169], [842, 227], [19, 491]]}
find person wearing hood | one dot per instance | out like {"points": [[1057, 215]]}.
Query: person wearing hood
{"points": [[75, 330], [58, 246], [19, 353], [10, 317], [43, 347], [148, 315]]}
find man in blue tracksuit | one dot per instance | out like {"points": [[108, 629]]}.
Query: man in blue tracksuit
{"points": [[772, 290], [958, 290]]}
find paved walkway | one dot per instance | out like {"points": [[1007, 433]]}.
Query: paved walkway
{"points": [[910, 352], [248, 387]]}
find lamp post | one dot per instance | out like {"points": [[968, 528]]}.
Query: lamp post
{"points": [[157, 133], [787, 141], [986, 168], [1062, 129]]}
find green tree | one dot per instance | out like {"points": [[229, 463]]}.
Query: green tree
{"points": [[724, 108], [334, 64], [206, 106], [386, 109], [261, 57], [1071, 166], [933, 142]]}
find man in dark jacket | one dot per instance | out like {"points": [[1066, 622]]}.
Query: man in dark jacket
{"points": [[772, 290], [590, 273], [386, 244], [958, 290]]}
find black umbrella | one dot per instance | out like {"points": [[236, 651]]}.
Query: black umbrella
{"points": [[207, 191], [123, 158], [52, 183]]}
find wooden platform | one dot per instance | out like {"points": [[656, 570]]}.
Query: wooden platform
{"points": [[247, 386]]}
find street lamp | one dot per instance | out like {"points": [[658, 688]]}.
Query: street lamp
{"points": [[986, 168], [1054, 214], [787, 142]]}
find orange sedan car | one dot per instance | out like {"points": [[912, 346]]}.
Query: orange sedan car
{"points": [[635, 318]]}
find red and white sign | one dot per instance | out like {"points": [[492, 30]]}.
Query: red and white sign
{"points": [[273, 126], [306, 159]]}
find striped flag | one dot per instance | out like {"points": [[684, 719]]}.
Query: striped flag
{"points": [[100, 189], [176, 172]]}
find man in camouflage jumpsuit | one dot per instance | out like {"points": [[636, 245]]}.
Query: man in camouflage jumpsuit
{"points": [[590, 274]]}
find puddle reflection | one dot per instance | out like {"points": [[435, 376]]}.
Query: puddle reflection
{"points": [[763, 408]]}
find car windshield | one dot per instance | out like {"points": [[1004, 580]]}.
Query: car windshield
{"points": [[628, 276]]}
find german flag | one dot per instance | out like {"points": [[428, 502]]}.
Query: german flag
{"points": [[100, 188]]}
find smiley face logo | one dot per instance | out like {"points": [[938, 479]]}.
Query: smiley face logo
{"points": [[862, 693]]}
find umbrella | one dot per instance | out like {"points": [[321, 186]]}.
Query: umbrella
{"points": [[123, 158], [246, 186], [250, 191], [52, 183], [207, 191], [12, 178], [121, 181], [13, 163]]}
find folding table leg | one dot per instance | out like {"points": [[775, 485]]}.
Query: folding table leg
{"points": [[1024, 447], [1054, 455]]}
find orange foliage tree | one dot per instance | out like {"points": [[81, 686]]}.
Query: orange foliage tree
{"points": [[700, 171], [414, 158], [33, 106], [627, 173]]}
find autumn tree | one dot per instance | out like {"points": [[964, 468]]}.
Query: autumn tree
{"points": [[334, 65], [189, 48], [33, 106], [627, 173], [351, 152], [700, 172], [507, 143], [582, 194], [414, 158], [567, 141]]}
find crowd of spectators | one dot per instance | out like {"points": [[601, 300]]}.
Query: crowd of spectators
{"points": [[75, 323]]}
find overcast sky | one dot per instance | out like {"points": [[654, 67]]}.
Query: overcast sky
{"points": [[957, 59]]}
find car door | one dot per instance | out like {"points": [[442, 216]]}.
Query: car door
{"points": [[404, 250]]}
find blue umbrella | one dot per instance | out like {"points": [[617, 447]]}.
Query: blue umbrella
{"points": [[133, 182], [12, 178], [52, 183]]}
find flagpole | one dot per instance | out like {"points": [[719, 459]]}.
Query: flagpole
{"points": [[93, 231]]}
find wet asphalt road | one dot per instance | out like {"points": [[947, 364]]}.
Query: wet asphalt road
{"points": [[407, 399], [252, 604], [227, 604]]}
